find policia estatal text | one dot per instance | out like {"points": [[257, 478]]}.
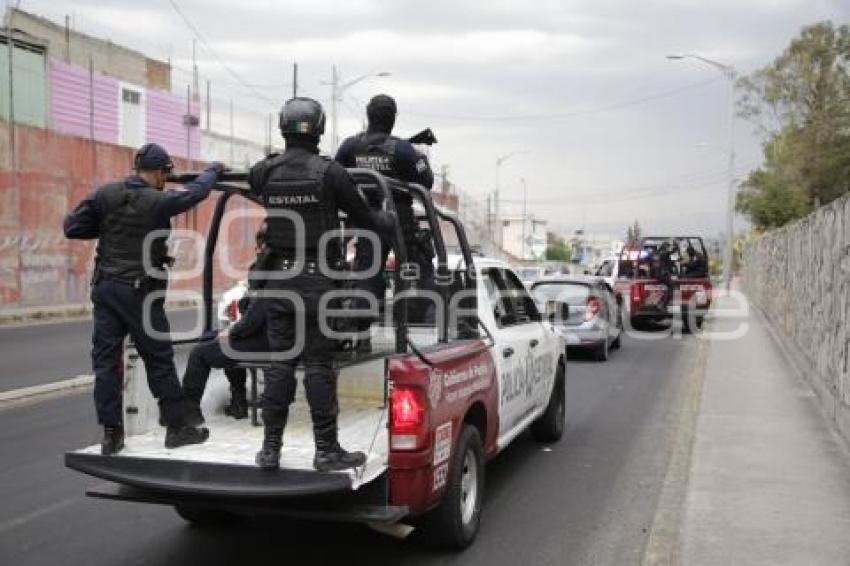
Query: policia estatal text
{"points": [[122, 216]]}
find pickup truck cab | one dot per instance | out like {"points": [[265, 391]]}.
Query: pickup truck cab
{"points": [[641, 292], [430, 404]]}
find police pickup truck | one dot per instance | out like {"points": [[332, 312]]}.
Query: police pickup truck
{"points": [[430, 404], [642, 291]]}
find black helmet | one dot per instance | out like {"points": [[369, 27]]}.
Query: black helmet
{"points": [[381, 112], [302, 116]]}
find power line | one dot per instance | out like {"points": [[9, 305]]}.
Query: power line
{"points": [[213, 52], [564, 115], [613, 196]]}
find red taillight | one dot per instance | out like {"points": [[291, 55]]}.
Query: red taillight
{"points": [[232, 311], [407, 419], [636, 293], [592, 308]]}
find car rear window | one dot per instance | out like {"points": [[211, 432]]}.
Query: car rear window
{"points": [[574, 294]]}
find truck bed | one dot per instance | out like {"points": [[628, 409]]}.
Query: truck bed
{"points": [[234, 443], [362, 427]]}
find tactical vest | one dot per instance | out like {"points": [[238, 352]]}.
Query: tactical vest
{"points": [[377, 151], [297, 185], [127, 220]]}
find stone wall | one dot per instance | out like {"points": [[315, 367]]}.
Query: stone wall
{"points": [[799, 276]]}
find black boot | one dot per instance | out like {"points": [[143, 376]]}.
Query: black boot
{"points": [[268, 458], [177, 436], [192, 413], [238, 407], [333, 457], [113, 440]]}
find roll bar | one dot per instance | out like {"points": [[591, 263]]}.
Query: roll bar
{"points": [[227, 185]]}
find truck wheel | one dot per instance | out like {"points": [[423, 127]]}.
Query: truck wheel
{"points": [[602, 351], [204, 516], [455, 521], [549, 427], [637, 323]]}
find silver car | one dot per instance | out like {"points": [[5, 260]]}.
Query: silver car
{"points": [[584, 310]]}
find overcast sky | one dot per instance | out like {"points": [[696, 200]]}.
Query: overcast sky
{"points": [[612, 128]]}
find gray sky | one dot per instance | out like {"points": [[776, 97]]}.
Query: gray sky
{"points": [[611, 126]]}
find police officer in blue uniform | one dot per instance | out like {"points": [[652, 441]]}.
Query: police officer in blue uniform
{"points": [[122, 216], [314, 189], [378, 149]]}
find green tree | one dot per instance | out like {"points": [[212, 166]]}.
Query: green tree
{"points": [[801, 104], [556, 248]]}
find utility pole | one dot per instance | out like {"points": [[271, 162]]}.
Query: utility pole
{"points": [[729, 72], [334, 97], [232, 157], [209, 103], [524, 214], [294, 79]]}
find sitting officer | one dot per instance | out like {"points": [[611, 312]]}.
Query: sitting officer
{"points": [[393, 157], [122, 215], [303, 194], [247, 335]]}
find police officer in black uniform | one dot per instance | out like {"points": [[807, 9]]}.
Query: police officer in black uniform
{"points": [[248, 334], [121, 216], [314, 188], [393, 157]]}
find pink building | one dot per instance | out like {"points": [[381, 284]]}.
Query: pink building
{"points": [[88, 104]]}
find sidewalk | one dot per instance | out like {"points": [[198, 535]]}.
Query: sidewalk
{"points": [[769, 481]]}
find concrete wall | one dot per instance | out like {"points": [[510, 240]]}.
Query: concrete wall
{"points": [[800, 276], [233, 152], [50, 175]]}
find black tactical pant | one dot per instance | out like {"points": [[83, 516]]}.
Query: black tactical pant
{"points": [[365, 256], [118, 312], [209, 354], [299, 336]]}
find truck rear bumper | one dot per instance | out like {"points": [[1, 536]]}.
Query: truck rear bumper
{"points": [[306, 508], [242, 490]]}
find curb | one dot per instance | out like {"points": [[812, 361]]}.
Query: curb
{"points": [[45, 389], [65, 313], [663, 546]]}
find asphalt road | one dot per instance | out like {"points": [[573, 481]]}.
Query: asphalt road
{"points": [[41, 353], [590, 500]]}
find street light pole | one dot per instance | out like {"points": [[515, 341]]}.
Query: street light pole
{"points": [[496, 221], [336, 96], [731, 75]]}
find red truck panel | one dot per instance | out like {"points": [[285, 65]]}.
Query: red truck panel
{"points": [[463, 375]]}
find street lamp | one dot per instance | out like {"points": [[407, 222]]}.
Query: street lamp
{"points": [[731, 75], [499, 161], [337, 90]]}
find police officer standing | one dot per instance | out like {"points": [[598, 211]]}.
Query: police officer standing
{"points": [[300, 183], [378, 149], [122, 216]]}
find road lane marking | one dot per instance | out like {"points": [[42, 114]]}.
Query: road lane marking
{"points": [[33, 515], [45, 388]]}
